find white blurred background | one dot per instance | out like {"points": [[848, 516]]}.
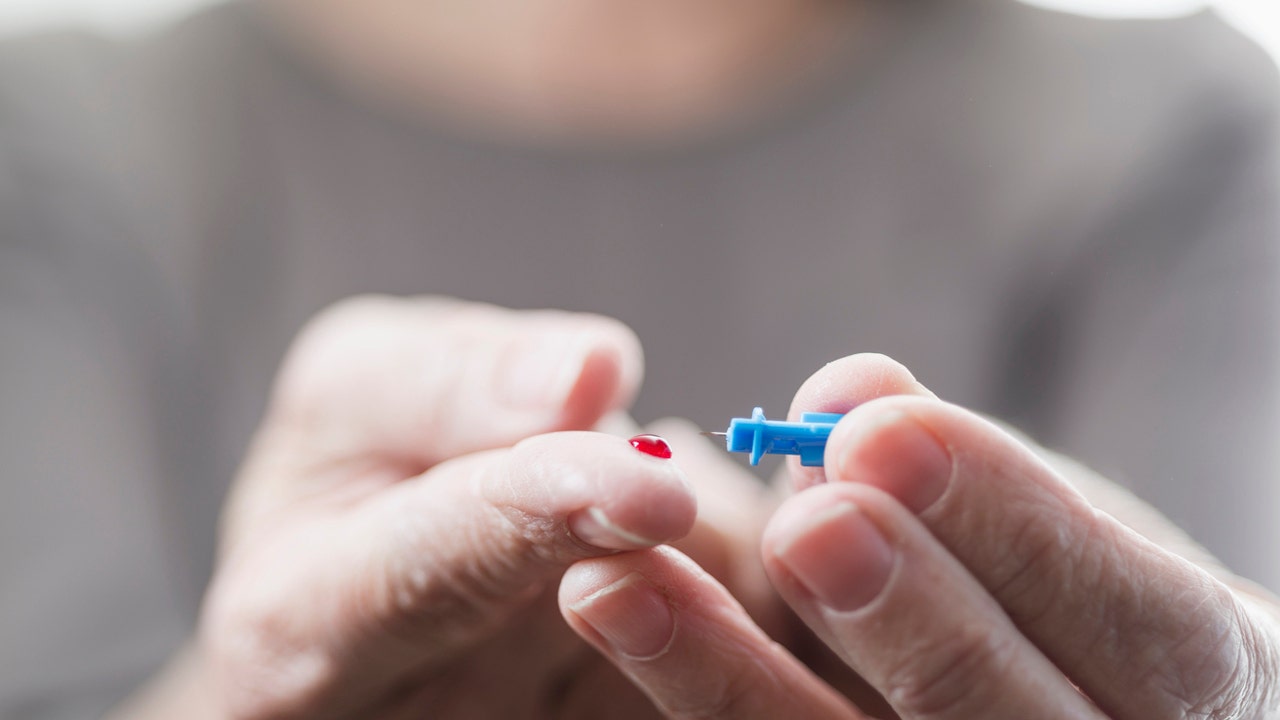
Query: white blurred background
{"points": [[1259, 18]]}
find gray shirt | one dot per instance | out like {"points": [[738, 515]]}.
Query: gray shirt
{"points": [[1068, 223]]}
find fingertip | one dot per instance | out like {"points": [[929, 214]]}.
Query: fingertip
{"points": [[612, 496], [586, 580], [595, 386], [583, 578], [608, 375], [840, 387], [661, 509], [801, 513], [661, 565], [614, 603], [686, 642], [828, 545], [630, 355], [843, 384], [887, 444], [593, 526], [792, 513], [639, 592]]}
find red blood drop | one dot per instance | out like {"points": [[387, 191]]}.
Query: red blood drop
{"points": [[652, 445]]}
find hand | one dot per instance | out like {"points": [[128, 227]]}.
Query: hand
{"points": [[385, 549], [959, 572]]}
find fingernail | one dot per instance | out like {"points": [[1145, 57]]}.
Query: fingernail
{"points": [[594, 527], [838, 554], [631, 616], [539, 372], [895, 453]]}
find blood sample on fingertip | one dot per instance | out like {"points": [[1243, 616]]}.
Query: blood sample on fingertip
{"points": [[652, 445]]}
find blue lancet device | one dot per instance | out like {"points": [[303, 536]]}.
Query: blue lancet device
{"points": [[759, 436]]}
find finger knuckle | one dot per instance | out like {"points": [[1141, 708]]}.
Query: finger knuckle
{"points": [[952, 676], [264, 669], [1212, 667], [333, 326], [1039, 557], [533, 526], [327, 348], [437, 615], [436, 602]]}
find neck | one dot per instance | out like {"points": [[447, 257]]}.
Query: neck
{"points": [[594, 69]]}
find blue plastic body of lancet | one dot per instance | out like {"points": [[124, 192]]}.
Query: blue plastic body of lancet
{"points": [[759, 436]]}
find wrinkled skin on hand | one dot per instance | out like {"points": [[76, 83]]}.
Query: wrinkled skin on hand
{"points": [[421, 485], [394, 540], [962, 572]]}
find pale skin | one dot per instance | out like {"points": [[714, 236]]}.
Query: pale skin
{"points": [[426, 525], [629, 72], [416, 526]]}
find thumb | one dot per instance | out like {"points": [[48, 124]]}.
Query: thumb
{"points": [[839, 387]]}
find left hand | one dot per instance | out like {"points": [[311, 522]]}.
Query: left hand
{"points": [[958, 570]]}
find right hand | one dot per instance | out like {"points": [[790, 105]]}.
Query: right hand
{"points": [[386, 549]]}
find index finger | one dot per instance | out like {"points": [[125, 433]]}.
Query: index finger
{"points": [[427, 379], [384, 388], [349, 599]]}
